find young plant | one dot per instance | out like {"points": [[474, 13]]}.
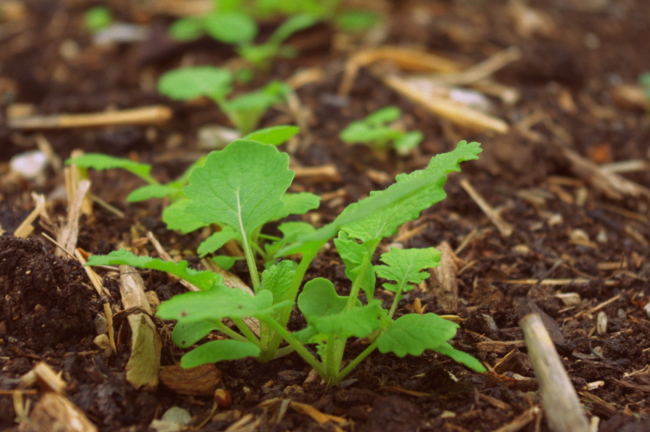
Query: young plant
{"points": [[98, 18], [377, 132], [242, 188], [244, 111]]}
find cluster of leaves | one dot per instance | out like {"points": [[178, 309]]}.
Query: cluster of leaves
{"points": [[377, 132], [234, 22], [242, 188], [244, 111]]}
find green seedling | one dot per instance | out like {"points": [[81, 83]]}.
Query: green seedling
{"points": [[98, 18], [644, 80], [376, 131], [243, 187], [244, 111]]}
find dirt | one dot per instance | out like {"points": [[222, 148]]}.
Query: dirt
{"points": [[564, 227]]}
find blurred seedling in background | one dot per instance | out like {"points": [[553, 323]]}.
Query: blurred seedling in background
{"points": [[379, 132], [644, 81], [98, 18], [244, 111]]}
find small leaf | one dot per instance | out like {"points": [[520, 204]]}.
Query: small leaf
{"points": [[383, 116], [297, 204], [274, 135], [217, 303], [186, 29], [353, 254], [277, 279], [356, 21], [407, 143], [461, 357], [358, 322], [194, 82], [216, 241], [177, 218], [241, 186], [319, 298], [185, 335], [204, 280], [224, 261], [102, 162], [230, 27], [405, 267], [152, 191], [98, 18], [413, 333], [216, 351], [292, 25], [291, 231]]}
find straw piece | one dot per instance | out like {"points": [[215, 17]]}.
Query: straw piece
{"points": [[26, 228], [443, 279], [561, 405], [504, 227], [156, 114]]}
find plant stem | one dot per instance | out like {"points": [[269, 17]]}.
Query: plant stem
{"points": [[229, 332], [284, 351], [295, 343], [355, 362], [250, 336], [398, 295]]}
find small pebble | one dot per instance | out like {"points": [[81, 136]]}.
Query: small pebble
{"points": [[30, 165]]}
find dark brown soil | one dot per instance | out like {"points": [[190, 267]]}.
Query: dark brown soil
{"points": [[48, 305]]}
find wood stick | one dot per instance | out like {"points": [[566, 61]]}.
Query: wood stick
{"points": [[561, 405], [480, 70], [317, 174], [517, 424], [156, 114], [446, 288], [453, 111], [504, 227], [68, 235]]}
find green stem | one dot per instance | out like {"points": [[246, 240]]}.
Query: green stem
{"points": [[398, 295], [295, 344], [259, 250], [306, 260], [250, 260], [250, 336], [229, 332], [354, 363], [281, 352]]}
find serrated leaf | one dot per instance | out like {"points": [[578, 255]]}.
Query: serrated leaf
{"points": [[297, 204], [277, 279], [230, 27], [383, 212], [194, 82], [461, 357], [405, 267], [383, 116], [353, 253], [219, 350], [185, 335], [102, 162], [205, 280], [358, 322], [152, 191], [414, 333], [274, 135], [177, 218], [319, 298], [216, 241], [217, 303], [241, 186]]}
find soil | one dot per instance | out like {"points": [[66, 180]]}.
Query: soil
{"points": [[564, 227]]}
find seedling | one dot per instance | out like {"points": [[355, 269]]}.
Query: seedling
{"points": [[644, 80], [244, 111], [377, 132], [98, 18], [243, 187]]}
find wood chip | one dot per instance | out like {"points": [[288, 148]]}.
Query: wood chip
{"points": [[495, 402], [317, 174], [144, 363], [49, 380], [53, 412], [499, 347], [504, 227], [26, 228], [561, 405], [318, 416], [199, 381], [443, 282], [67, 236], [157, 114], [521, 421]]}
